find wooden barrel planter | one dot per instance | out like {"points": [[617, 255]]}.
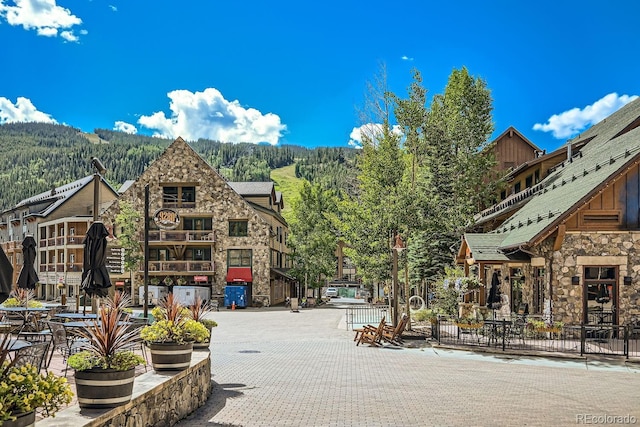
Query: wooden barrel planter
{"points": [[201, 345], [24, 419], [170, 356], [104, 388]]}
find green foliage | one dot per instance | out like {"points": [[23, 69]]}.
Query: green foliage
{"points": [[121, 361], [108, 338], [128, 236], [39, 156], [312, 236], [173, 324]]}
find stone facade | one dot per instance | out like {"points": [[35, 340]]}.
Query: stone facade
{"points": [[580, 249], [181, 165]]}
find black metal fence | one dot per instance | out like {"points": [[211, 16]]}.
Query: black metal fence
{"points": [[517, 335], [366, 314]]}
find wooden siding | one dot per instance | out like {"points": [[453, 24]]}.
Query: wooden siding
{"points": [[616, 207], [511, 151]]}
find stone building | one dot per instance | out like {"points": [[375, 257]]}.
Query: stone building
{"points": [[207, 232], [568, 247]]}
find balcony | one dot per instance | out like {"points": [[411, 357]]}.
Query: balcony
{"points": [[170, 236], [180, 267]]}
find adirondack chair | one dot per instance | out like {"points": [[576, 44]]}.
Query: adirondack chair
{"points": [[371, 336], [393, 335]]}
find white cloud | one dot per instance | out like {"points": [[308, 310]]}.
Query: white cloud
{"points": [[113, 8], [370, 131], [209, 115], [125, 127], [44, 16], [406, 58], [22, 111], [572, 122]]}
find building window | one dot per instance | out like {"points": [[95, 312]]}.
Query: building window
{"points": [[601, 290], [538, 290], [198, 254], [528, 181], [198, 223], [238, 228], [239, 257], [516, 188], [179, 197]]}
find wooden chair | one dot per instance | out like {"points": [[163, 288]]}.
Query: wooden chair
{"points": [[393, 335], [371, 336]]}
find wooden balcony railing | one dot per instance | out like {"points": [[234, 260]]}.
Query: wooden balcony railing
{"points": [[180, 236], [180, 266]]}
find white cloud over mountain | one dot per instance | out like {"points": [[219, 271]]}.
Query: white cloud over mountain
{"points": [[22, 111], [208, 114], [44, 16], [371, 131], [573, 121]]}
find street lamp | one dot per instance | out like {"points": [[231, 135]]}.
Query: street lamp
{"points": [[397, 248], [99, 170]]}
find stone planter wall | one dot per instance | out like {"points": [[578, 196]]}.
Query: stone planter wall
{"points": [[158, 400]]}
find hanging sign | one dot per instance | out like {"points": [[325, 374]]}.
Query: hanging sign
{"points": [[166, 219]]}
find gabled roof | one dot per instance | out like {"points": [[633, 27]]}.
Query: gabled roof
{"points": [[483, 247], [575, 182], [49, 201], [511, 129], [253, 188]]}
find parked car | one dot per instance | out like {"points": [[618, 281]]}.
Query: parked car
{"points": [[332, 292]]}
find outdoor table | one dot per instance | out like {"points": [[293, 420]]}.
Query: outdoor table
{"points": [[15, 344], [85, 316], [23, 313]]}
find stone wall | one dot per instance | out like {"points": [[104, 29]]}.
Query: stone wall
{"points": [[620, 249], [158, 400]]}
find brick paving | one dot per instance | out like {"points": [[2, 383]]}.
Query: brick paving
{"points": [[271, 367]]}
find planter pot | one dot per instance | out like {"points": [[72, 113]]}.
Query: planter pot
{"points": [[170, 356], [201, 345], [24, 419], [104, 388]]}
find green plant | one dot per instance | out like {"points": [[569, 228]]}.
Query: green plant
{"points": [[173, 324], [108, 339], [198, 312], [22, 298], [24, 389], [423, 315]]}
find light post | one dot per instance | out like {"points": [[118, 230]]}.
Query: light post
{"points": [[397, 248]]}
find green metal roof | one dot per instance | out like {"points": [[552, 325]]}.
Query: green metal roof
{"points": [[484, 246], [602, 158]]}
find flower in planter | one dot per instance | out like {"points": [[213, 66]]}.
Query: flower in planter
{"points": [[198, 312], [22, 298], [173, 324], [24, 389], [108, 339]]}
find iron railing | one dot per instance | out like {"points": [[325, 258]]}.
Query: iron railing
{"points": [[365, 314], [516, 335]]}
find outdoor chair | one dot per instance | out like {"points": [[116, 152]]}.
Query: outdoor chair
{"points": [[393, 335], [64, 344], [137, 343], [34, 354], [372, 337]]}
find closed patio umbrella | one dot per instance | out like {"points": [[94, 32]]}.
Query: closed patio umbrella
{"points": [[95, 276], [6, 276], [28, 276], [494, 292]]}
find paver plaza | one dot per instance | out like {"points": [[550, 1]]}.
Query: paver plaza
{"points": [[272, 367]]}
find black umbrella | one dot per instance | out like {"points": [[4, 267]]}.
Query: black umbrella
{"points": [[95, 276], [6, 276], [28, 276], [494, 292]]}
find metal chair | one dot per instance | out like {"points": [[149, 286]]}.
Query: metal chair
{"points": [[34, 355], [63, 344]]}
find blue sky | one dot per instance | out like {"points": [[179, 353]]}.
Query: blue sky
{"points": [[287, 72]]}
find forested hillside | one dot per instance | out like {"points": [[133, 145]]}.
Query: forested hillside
{"points": [[39, 156]]}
